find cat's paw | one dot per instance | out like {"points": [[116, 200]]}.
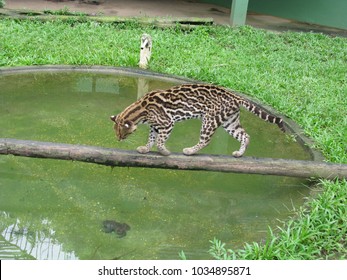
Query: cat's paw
{"points": [[189, 151], [142, 149], [164, 151], [237, 154]]}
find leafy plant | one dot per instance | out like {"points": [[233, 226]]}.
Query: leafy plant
{"points": [[64, 12], [219, 252], [182, 255]]}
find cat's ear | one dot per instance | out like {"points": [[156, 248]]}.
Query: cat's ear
{"points": [[113, 118]]}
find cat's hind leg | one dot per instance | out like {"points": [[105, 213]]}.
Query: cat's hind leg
{"points": [[234, 128], [209, 127]]}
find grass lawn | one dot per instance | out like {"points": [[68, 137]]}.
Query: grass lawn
{"points": [[302, 75]]}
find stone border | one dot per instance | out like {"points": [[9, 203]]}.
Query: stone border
{"points": [[290, 125], [162, 21]]}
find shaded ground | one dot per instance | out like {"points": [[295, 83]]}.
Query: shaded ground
{"points": [[126, 8], [176, 8]]}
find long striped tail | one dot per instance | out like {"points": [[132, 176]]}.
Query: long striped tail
{"points": [[262, 114]]}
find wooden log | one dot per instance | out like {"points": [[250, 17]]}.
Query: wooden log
{"points": [[220, 163]]}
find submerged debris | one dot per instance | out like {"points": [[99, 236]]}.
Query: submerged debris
{"points": [[120, 229]]}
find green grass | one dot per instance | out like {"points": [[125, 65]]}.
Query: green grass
{"points": [[302, 75], [64, 12], [318, 232]]}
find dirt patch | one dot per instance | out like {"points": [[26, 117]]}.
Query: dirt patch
{"points": [[169, 8], [128, 8]]}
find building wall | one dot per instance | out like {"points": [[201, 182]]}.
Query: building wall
{"points": [[331, 13], [323, 12]]}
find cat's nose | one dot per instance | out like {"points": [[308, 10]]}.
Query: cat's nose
{"points": [[120, 137]]}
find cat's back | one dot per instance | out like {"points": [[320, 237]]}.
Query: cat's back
{"points": [[190, 93]]}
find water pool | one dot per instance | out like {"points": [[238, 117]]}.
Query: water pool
{"points": [[51, 209]]}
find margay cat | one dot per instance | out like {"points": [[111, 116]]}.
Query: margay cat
{"points": [[216, 106]]}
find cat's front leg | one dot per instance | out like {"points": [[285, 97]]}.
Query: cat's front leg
{"points": [[151, 140], [163, 135], [192, 150]]}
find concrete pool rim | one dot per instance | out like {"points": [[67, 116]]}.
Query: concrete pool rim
{"points": [[291, 127]]}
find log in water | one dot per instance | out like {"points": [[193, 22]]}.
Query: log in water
{"points": [[116, 157]]}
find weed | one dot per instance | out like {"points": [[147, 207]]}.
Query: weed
{"points": [[219, 252], [64, 12], [182, 255]]}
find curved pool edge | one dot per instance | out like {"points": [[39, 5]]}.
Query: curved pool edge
{"points": [[299, 134]]}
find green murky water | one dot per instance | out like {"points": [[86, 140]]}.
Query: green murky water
{"points": [[53, 209]]}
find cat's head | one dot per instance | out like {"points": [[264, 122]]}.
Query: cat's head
{"points": [[123, 128]]}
